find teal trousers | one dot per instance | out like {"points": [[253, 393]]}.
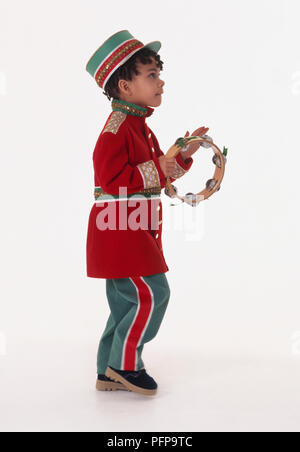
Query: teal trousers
{"points": [[137, 307]]}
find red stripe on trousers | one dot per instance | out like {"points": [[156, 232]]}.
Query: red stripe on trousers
{"points": [[138, 326]]}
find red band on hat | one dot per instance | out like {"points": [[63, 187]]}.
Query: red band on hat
{"points": [[115, 58]]}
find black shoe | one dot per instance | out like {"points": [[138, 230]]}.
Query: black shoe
{"points": [[105, 383], [103, 377], [134, 380]]}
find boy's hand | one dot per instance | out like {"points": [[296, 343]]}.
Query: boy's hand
{"points": [[167, 165], [193, 147]]}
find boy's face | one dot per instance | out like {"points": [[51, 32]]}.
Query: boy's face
{"points": [[145, 88]]}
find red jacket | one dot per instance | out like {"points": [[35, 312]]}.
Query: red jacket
{"points": [[126, 155]]}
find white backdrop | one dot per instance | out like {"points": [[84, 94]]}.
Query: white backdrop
{"points": [[227, 355]]}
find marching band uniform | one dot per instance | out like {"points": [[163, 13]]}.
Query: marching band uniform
{"points": [[126, 155], [132, 261]]}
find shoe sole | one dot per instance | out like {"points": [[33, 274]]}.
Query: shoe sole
{"points": [[131, 387], [109, 386]]}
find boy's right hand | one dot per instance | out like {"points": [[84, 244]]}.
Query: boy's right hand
{"points": [[167, 165]]}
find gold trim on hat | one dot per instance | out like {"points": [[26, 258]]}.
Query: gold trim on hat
{"points": [[111, 60]]}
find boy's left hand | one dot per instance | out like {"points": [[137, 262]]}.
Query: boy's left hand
{"points": [[193, 147]]}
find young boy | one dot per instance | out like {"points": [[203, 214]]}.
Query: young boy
{"points": [[130, 169]]}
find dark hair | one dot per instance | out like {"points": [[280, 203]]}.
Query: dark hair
{"points": [[126, 70]]}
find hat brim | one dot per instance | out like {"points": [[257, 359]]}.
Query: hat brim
{"points": [[154, 45]]}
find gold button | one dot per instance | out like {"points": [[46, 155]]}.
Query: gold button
{"points": [[153, 149], [149, 135], [158, 208], [157, 235], [160, 222]]}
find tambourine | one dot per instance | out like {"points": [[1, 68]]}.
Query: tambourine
{"points": [[212, 185]]}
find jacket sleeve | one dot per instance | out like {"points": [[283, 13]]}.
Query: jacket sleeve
{"points": [[182, 166], [113, 170]]}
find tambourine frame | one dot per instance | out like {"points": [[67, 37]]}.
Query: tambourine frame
{"points": [[212, 185]]}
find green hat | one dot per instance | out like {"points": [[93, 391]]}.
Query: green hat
{"points": [[114, 52]]}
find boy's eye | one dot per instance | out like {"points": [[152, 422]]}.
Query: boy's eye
{"points": [[153, 73]]}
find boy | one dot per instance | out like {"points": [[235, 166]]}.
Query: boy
{"points": [[130, 169]]}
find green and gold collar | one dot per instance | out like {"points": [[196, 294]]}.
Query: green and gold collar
{"points": [[131, 109]]}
